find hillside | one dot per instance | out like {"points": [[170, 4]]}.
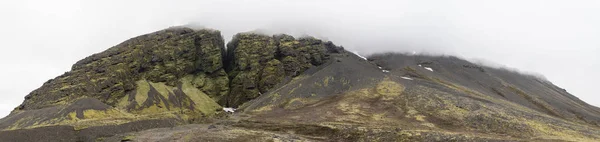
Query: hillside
{"points": [[172, 85]]}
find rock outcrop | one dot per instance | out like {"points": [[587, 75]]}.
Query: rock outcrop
{"points": [[173, 73], [165, 56], [258, 62], [290, 89]]}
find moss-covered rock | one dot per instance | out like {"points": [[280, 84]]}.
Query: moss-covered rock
{"points": [[179, 75], [176, 73], [258, 62], [163, 56]]}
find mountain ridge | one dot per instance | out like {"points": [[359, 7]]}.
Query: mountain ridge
{"points": [[287, 86]]}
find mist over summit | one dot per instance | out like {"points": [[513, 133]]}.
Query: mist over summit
{"points": [[280, 87], [309, 70]]}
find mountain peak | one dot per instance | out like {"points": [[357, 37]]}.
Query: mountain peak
{"points": [[292, 88]]}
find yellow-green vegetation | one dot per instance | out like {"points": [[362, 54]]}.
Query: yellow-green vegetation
{"points": [[350, 108], [355, 107], [465, 90], [177, 76], [452, 111], [274, 97], [389, 89], [194, 102], [534, 100], [298, 103], [294, 89], [426, 111], [90, 118], [264, 108], [61, 101], [491, 118], [420, 118], [202, 106], [215, 86], [163, 89], [258, 62], [142, 89], [101, 114], [479, 95], [327, 79], [550, 131], [202, 102], [163, 56], [124, 102], [165, 102], [98, 118], [128, 138]]}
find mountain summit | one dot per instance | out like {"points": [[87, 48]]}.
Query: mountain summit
{"points": [[181, 84]]}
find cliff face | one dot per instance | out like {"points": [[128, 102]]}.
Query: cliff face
{"points": [[165, 56], [173, 73], [290, 89], [259, 62], [176, 73]]}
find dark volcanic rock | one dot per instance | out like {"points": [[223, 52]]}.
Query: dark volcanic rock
{"points": [[163, 56], [258, 62], [290, 89], [170, 74]]}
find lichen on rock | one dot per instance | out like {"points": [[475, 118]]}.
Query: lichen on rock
{"points": [[176, 73], [163, 56], [173, 73], [258, 62]]}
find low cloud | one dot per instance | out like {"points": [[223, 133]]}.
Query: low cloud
{"points": [[558, 39]]}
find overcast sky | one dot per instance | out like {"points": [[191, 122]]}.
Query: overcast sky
{"points": [[560, 39]]}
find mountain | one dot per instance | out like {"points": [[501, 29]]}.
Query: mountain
{"points": [[173, 85]]}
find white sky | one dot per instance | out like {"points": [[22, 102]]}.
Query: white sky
{"points": [[560, 39]]}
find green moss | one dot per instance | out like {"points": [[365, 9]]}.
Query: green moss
{"points": [[274, 97], [202, 102], [163, 56], [389, 89], [259, 61], [100, 114], [536, 101], [326, 81], [272, 74], [163, 89], [296, 103], [294, 89], [141, 95], [123, 103], [153, 109], [128, 138], [264, 108]]}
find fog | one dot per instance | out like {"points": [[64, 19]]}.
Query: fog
{"points": [[556, 38]]}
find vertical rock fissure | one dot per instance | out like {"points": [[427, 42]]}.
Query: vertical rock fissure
{"points": [[255, 63], [251, 64]]}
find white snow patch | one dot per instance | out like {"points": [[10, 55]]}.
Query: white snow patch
{"points": [[428, 68], [420, 65], [356, 53], [385, 71], [380, 67], [407, 78], [229, 109]]}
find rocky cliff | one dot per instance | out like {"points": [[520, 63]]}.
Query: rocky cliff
{"points": [[290, 89], [258, 62]]}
